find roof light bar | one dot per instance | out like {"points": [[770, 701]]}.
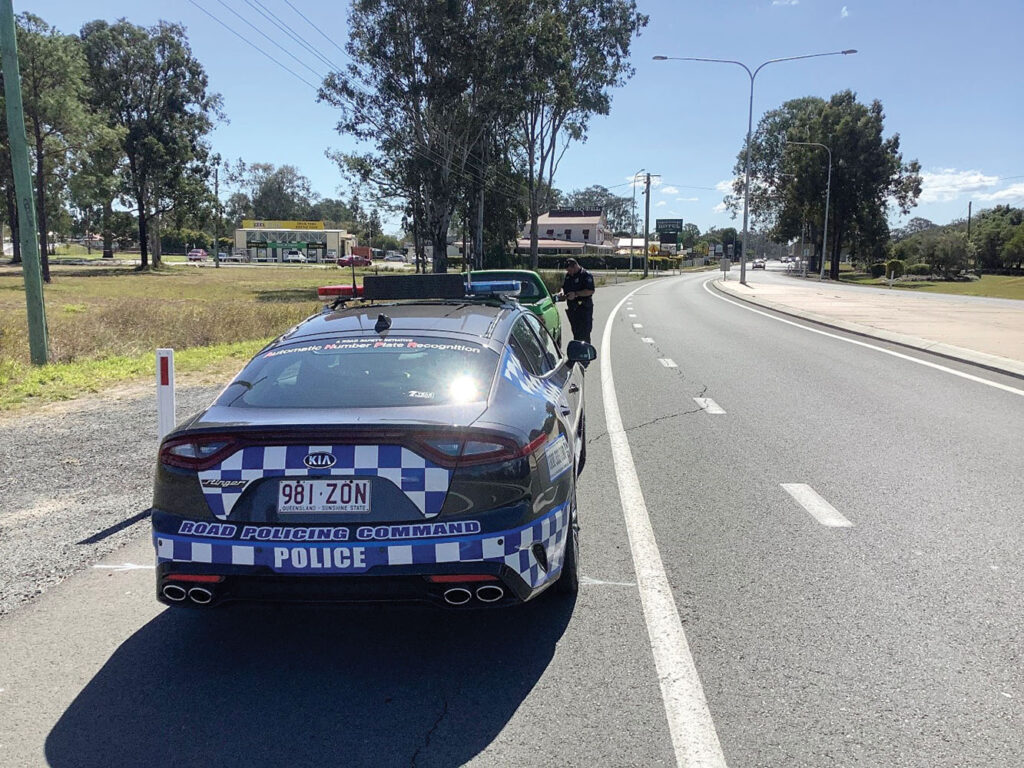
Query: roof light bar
{"points": [[494, 288], [333, 291]]}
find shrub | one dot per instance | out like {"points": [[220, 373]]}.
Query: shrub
{"points": [[919, 269], [895, 268], [877, 269]]}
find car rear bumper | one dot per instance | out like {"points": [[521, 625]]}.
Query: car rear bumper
{"points": [[216, 568]]}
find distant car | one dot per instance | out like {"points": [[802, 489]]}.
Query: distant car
{"points": [[295, 257], [758, 264], [197, 254], [354, 261], [533, 295], [233, 257], [394, 257]]}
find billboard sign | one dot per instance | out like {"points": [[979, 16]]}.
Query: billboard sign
{"points": [[280, 224], [668, 225]]}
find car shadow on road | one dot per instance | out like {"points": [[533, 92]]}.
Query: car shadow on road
{"points": [[298, 686]]}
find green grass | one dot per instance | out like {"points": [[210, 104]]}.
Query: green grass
{"points": [[992, 286]]}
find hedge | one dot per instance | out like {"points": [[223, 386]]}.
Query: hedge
{"points": [[895, 268], [877, 269], [919, 269]]}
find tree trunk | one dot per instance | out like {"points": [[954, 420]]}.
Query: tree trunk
{"points": [[12, 211], [156, 251], [143, 235], [837, 245], [44, 254], [108, 235]]}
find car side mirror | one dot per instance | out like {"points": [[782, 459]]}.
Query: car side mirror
{"points": [[557, 298], [580, 352]]}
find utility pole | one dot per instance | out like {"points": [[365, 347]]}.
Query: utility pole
{"points": [[216, 213], [37, 334], [647, 218]]}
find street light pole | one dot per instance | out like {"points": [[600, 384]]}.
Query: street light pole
{"points": [[750, 125], [632, 222], [828, 194]]}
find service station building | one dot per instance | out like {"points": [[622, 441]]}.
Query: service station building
{"points": [[267, 240]]}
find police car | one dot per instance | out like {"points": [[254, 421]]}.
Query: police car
{"points": [[420, 442]]}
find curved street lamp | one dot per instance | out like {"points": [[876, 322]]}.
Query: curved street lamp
{"points": [[750, 123]]}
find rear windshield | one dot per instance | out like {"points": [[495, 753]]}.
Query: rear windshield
{"points": [[365, 373]]}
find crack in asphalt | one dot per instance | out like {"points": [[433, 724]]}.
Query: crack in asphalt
{"points": [[430, 733], [643, 424]]}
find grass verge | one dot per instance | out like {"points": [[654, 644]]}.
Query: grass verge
{"points": [[992, 286], [24, 385]]}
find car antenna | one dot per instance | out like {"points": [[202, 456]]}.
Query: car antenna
{"points": [[383, 323]]}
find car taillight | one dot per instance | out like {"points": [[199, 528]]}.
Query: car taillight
{"points": [[196, 452], [476, 449]]}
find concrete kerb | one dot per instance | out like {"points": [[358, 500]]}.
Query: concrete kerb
{"points": [[994, 363]]}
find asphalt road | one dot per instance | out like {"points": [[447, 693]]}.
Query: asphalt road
{"points": [[891, 641]]}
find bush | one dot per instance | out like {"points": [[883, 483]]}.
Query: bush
{"points": [[895, 268], [877, 269], [919, 269]]}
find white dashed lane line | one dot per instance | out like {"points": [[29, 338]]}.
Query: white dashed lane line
{"points": [[646, 339], [637, 325], [816, 506], [631, 315], [709, 405], [668, 362]]}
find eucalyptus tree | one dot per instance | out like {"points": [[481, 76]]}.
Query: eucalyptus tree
{"points": [[147, 82], [53, 87], [573, 53], [868, 173]]}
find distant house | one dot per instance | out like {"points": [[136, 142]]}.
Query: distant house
{"points": [[567, 231]]}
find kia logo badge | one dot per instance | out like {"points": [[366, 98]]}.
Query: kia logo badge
{"points": [[322, 460]]}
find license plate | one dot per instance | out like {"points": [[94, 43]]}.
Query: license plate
{"points": [[300, 496]]}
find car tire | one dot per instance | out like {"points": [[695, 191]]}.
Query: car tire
{"points": [[569, 580]]}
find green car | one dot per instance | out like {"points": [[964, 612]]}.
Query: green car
{"points": [[534, 296]]}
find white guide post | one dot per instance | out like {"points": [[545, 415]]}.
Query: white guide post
{"points": [[165, 405]]}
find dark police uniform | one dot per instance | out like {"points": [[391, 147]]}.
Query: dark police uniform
{"points": [[581, 310]]}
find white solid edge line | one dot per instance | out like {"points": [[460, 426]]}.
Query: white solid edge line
{"points": [[936, 366], [815, 505], [689, 720]]}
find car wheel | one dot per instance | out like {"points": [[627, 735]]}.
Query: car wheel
{"points": [[569, 581]]}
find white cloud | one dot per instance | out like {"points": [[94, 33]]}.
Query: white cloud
{"points": [[669, 191], [660, 203], [844, 13], [639, 181], [725, 185], [1011, 193], [720, 208], [946, 184], [785, 2], [687, 199]]}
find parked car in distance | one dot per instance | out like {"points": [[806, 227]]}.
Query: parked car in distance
{"points": [[758, 264], [295, 257], [394, 257], [197, 254], [233, 257], [354, 261], [533, 295]]}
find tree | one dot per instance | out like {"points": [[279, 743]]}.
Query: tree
{"points": [[1013, 249], [273, 192], [53, 87], [574, 52], [618, 211], [149, 84], [948, 252], [95, 181], [868, 173]]}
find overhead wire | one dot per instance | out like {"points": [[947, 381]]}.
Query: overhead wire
{"points": [[419, 150]]}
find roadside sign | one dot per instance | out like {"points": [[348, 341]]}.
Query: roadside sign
{"points": [[668, 225], [726, 265]]}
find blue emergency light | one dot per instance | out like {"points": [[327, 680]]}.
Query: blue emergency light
{"points": [[494, 288]]}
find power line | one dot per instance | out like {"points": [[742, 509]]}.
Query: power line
{"points": [[248, 42], [270, 39]]}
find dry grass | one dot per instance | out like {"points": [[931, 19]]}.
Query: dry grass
{"points": [[105, 322]]}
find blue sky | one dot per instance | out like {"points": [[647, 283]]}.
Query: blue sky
{"points": [[948, 73]]}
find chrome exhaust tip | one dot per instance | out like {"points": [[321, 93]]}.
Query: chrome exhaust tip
{"points": [[174, 593], [490, 593], [200, 596], [457, 596]]}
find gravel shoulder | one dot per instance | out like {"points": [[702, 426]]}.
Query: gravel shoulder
{"points": [[71, 475]]}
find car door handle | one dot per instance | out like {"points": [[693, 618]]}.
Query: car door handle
{"points": [[574, 387], [565, 409]]}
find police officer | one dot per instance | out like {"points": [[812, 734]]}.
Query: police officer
{"points": [[577, 290]]}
